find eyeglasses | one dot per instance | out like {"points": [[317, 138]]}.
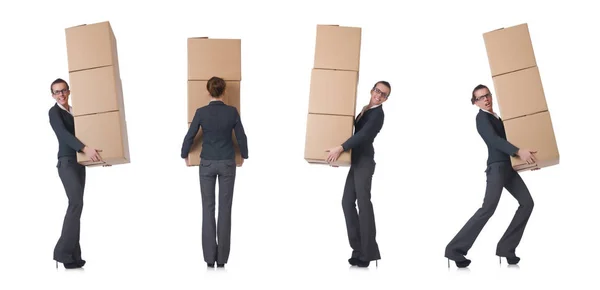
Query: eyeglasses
{"points": [[488, 95], [63, 91], [377, 91]]}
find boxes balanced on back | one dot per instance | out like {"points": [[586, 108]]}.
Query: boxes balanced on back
{"points": [[332, 98], [207, 58], [520, 95], [97, 93]]}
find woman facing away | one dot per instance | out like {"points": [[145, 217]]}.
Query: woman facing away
{"points": [[217, 160]]}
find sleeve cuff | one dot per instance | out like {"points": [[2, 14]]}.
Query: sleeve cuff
{"points": [[514, 153]]}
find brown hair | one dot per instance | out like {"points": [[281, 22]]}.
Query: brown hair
{"points": [[215, 87], [477, 88], [58, 81]]}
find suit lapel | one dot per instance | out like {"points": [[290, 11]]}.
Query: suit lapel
{"points": [[361, 114], [67, 117]]}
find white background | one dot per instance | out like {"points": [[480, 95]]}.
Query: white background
{"points": [[141, 224]]}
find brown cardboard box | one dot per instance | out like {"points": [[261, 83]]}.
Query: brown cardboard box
{"points": [[194, 155], [91, 46], [198, 96], [533, 132], [333, 92], [324, 132], [214, 57], [96, 90], [509, 49], [520, 93], [338, 47], [106, 132], [232, 95]]}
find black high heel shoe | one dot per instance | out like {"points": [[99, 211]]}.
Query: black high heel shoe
{"points": [[511, 260], [363, 264], [72, 265], [461, 264]]}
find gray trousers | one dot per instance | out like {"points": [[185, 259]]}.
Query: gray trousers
{"points": [[360, 225], [72, 175], [500, 175], [216, 238]]}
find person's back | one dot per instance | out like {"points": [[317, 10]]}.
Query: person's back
{"points": [[217, 160], [217, 121]]}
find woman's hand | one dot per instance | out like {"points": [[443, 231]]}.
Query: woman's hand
{"points": [[334, 154]]}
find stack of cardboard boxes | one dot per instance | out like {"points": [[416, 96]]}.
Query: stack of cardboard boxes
{"points": [[208, 58], [332, 99], [96, 92], [520, 95]]}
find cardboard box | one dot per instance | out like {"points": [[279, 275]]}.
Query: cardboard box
{"points": [[333, 92], [96, 90], [97, 93], [194, 155], [91, 46], [106, 132], [533, 132], [324, 132], [214, 57], [509, 49], [338, 47], [198, 96], [520, 93]]}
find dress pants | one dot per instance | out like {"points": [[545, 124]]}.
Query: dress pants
{"points": [[216, 238], [360, 225], [72, 175], [500, 175]]}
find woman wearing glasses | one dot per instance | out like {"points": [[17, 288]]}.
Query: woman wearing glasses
{"points": [[361, 225], [500, 174], [72, 174]]}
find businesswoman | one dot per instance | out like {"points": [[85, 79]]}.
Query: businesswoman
{"points": [[500, 175], [360, 224], [72, 174], [217, 159]]}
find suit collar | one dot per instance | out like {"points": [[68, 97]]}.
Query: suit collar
{"points": [[216, 103], [490, 113], [60, 107], [361, 115], [376, 107]]}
